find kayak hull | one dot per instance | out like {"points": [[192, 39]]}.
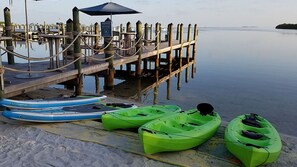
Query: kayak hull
{"points": [[252, 150], [134, 118], [66, 114], [177, 132], [40, 104]]}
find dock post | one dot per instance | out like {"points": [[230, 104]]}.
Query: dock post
{"points": [[180, 55], [45, 28], [138, 48], [181, 44], [120, 35], [97, 83], [109, 53], [169, 58], [77, 51], [63, 31], [69, 30], [177, 37], [189, 40], [97, 35], [157, 42], [128, 65], [145, 34], [194, 49], [2, 94], [8, 32], [188, 52]]}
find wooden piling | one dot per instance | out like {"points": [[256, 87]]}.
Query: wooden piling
{"points": [[146, 43], [177, 37], [109, 52], [8, 32], [97, 35], [169, 58], [157, 61], [63, 31], [128, 65], [195, 35], [138, 48], [2, 94], [188, 52], [69, 30], [97, 83], [180, 55], [77, 50], [188, 40], [151, 32], [145, 34]]}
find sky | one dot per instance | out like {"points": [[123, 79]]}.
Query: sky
{"points": [[205, 13]]}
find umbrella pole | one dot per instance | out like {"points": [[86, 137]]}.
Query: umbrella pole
{"points": [[27, 39]]}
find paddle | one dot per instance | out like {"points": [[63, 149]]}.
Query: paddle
{"points": [[205, 108]]}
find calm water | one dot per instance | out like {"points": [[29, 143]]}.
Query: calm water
{"points": [[238, 71]]}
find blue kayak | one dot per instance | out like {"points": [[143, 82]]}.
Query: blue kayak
{"points": [[66, 114], [41, 104]]}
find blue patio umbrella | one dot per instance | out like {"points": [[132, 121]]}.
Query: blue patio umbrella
{"points": [[108, 8]]}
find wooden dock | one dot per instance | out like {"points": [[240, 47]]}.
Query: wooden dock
{"points": [[15, 86], [140, 49]]}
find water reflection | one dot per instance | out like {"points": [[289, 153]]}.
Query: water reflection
{"points": [[140, 89]]}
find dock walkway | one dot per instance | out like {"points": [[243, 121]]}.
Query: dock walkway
{"points": [[15, 86]]}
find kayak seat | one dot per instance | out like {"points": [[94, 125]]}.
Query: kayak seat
{"points": [[251, 134], [250, 121], [121, 105], [193, 124], [141, 114], [96, 107]]}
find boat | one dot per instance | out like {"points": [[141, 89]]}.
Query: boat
{"points": [[66, 114], [253, 140], [180, 131], [60, 102], [134, 118]]}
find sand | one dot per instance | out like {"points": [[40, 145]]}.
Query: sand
{"points": [[28, 146]]}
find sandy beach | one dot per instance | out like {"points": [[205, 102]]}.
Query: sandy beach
{"points": [[28, 146], [86, 143], [24, 145]]}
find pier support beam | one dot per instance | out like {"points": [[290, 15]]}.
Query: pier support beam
{"points": [[8, 32], [169, 58], [138, 48], [128, 66], [69, 30], [194, 49], [97, 35], [188, 52], [109, 52], [77, 51]]}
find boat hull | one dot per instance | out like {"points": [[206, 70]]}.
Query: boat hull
{"points": [[134, 118], [65, 114], [177, 132], [40, 104], [252, 150]]}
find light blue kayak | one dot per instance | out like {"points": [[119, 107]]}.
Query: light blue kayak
{"points": [[41, 104], [66, 114]]}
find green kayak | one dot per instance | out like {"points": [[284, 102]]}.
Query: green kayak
{"points": [[134, 118], [253, 140], [180, 131]]}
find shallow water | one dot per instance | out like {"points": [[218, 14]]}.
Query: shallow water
{"points": [[238, 71]]}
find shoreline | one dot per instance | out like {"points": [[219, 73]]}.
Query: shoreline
{"points": [[86, 143]]}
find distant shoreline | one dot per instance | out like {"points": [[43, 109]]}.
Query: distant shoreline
{"points": [[286, 26]]}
